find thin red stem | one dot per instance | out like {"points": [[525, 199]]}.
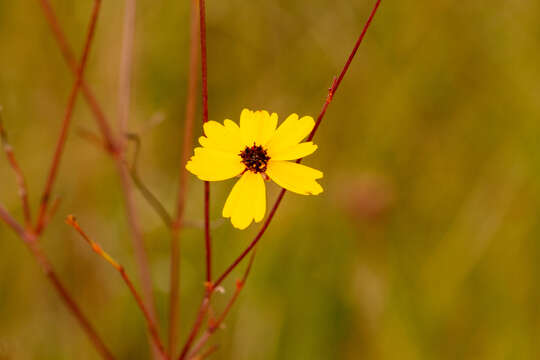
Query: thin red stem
{"points": [[121, 167], [126, 66], [21, 182], [329, 98], [209, 352], [136, 234], [11, 222], [174, 299], [204, 72], [33, 245], [124, 97], [200, 316], [70, 59], [67, 120], [152, 328], [216, 324]]}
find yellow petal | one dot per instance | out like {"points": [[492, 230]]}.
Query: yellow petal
{"points": [[214, 165], [295, 177], [291, 132], [257, 127], [225, 137], [294, 152], [247, 201]]}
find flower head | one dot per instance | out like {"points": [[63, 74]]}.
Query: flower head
{"points": [[256, 151]]}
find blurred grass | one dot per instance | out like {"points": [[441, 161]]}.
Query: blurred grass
{"points": [[425, 242]]}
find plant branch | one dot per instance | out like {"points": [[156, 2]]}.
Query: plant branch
{"points": [[124, 94], [30, 240], [67, 119], [126, 68], [331, 92], [21, 182], [116, 154], [174, 297], [204, 73], [207, 353], [70, 59], [217, 323], [152, 199], [200, 316], [152, 328]]}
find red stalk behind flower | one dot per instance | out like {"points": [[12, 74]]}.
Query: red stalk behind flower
{"points": [[263, 229], [329, 98], [204, 73]]}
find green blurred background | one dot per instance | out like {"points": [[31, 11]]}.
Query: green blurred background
{"points": [[424, 244]]}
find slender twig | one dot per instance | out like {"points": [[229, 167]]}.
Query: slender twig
{"points": [[331, 92], [208, 241], [30, 240], [67, 120], [204, 73], [92, 138], [152, 199], [124, 95], [11, 222], [174, 297], [215, 325], [212, 349], [21, 182], [52, 211], [198, 322], [152, 328], [126, 67], [70, 59], [113, 148]]}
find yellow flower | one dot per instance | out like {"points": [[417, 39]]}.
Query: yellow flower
{"points": [[256, 151]]}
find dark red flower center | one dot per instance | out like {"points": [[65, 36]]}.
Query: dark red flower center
{"points": [[255, 158]]}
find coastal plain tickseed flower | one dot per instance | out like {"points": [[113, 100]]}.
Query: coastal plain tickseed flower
{"points": [[257, 150]]}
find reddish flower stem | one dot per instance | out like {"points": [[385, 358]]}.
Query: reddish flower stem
{"points": [[152, 328], [208, 352], [124, 97], [113, 149], [200, 316], [126, 66], [329, 98], [30, 240], [204, 73], [21, 182], [70, 59], [174, 297], [67, 120], [216, 324], [11, 222]]}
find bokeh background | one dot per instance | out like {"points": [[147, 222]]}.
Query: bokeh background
{"points": [[425, 243]]}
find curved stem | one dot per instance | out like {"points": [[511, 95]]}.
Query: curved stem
{"points": [[331, 92]]}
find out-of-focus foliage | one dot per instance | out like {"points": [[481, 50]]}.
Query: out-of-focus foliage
{"points": [[425, 243]]}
